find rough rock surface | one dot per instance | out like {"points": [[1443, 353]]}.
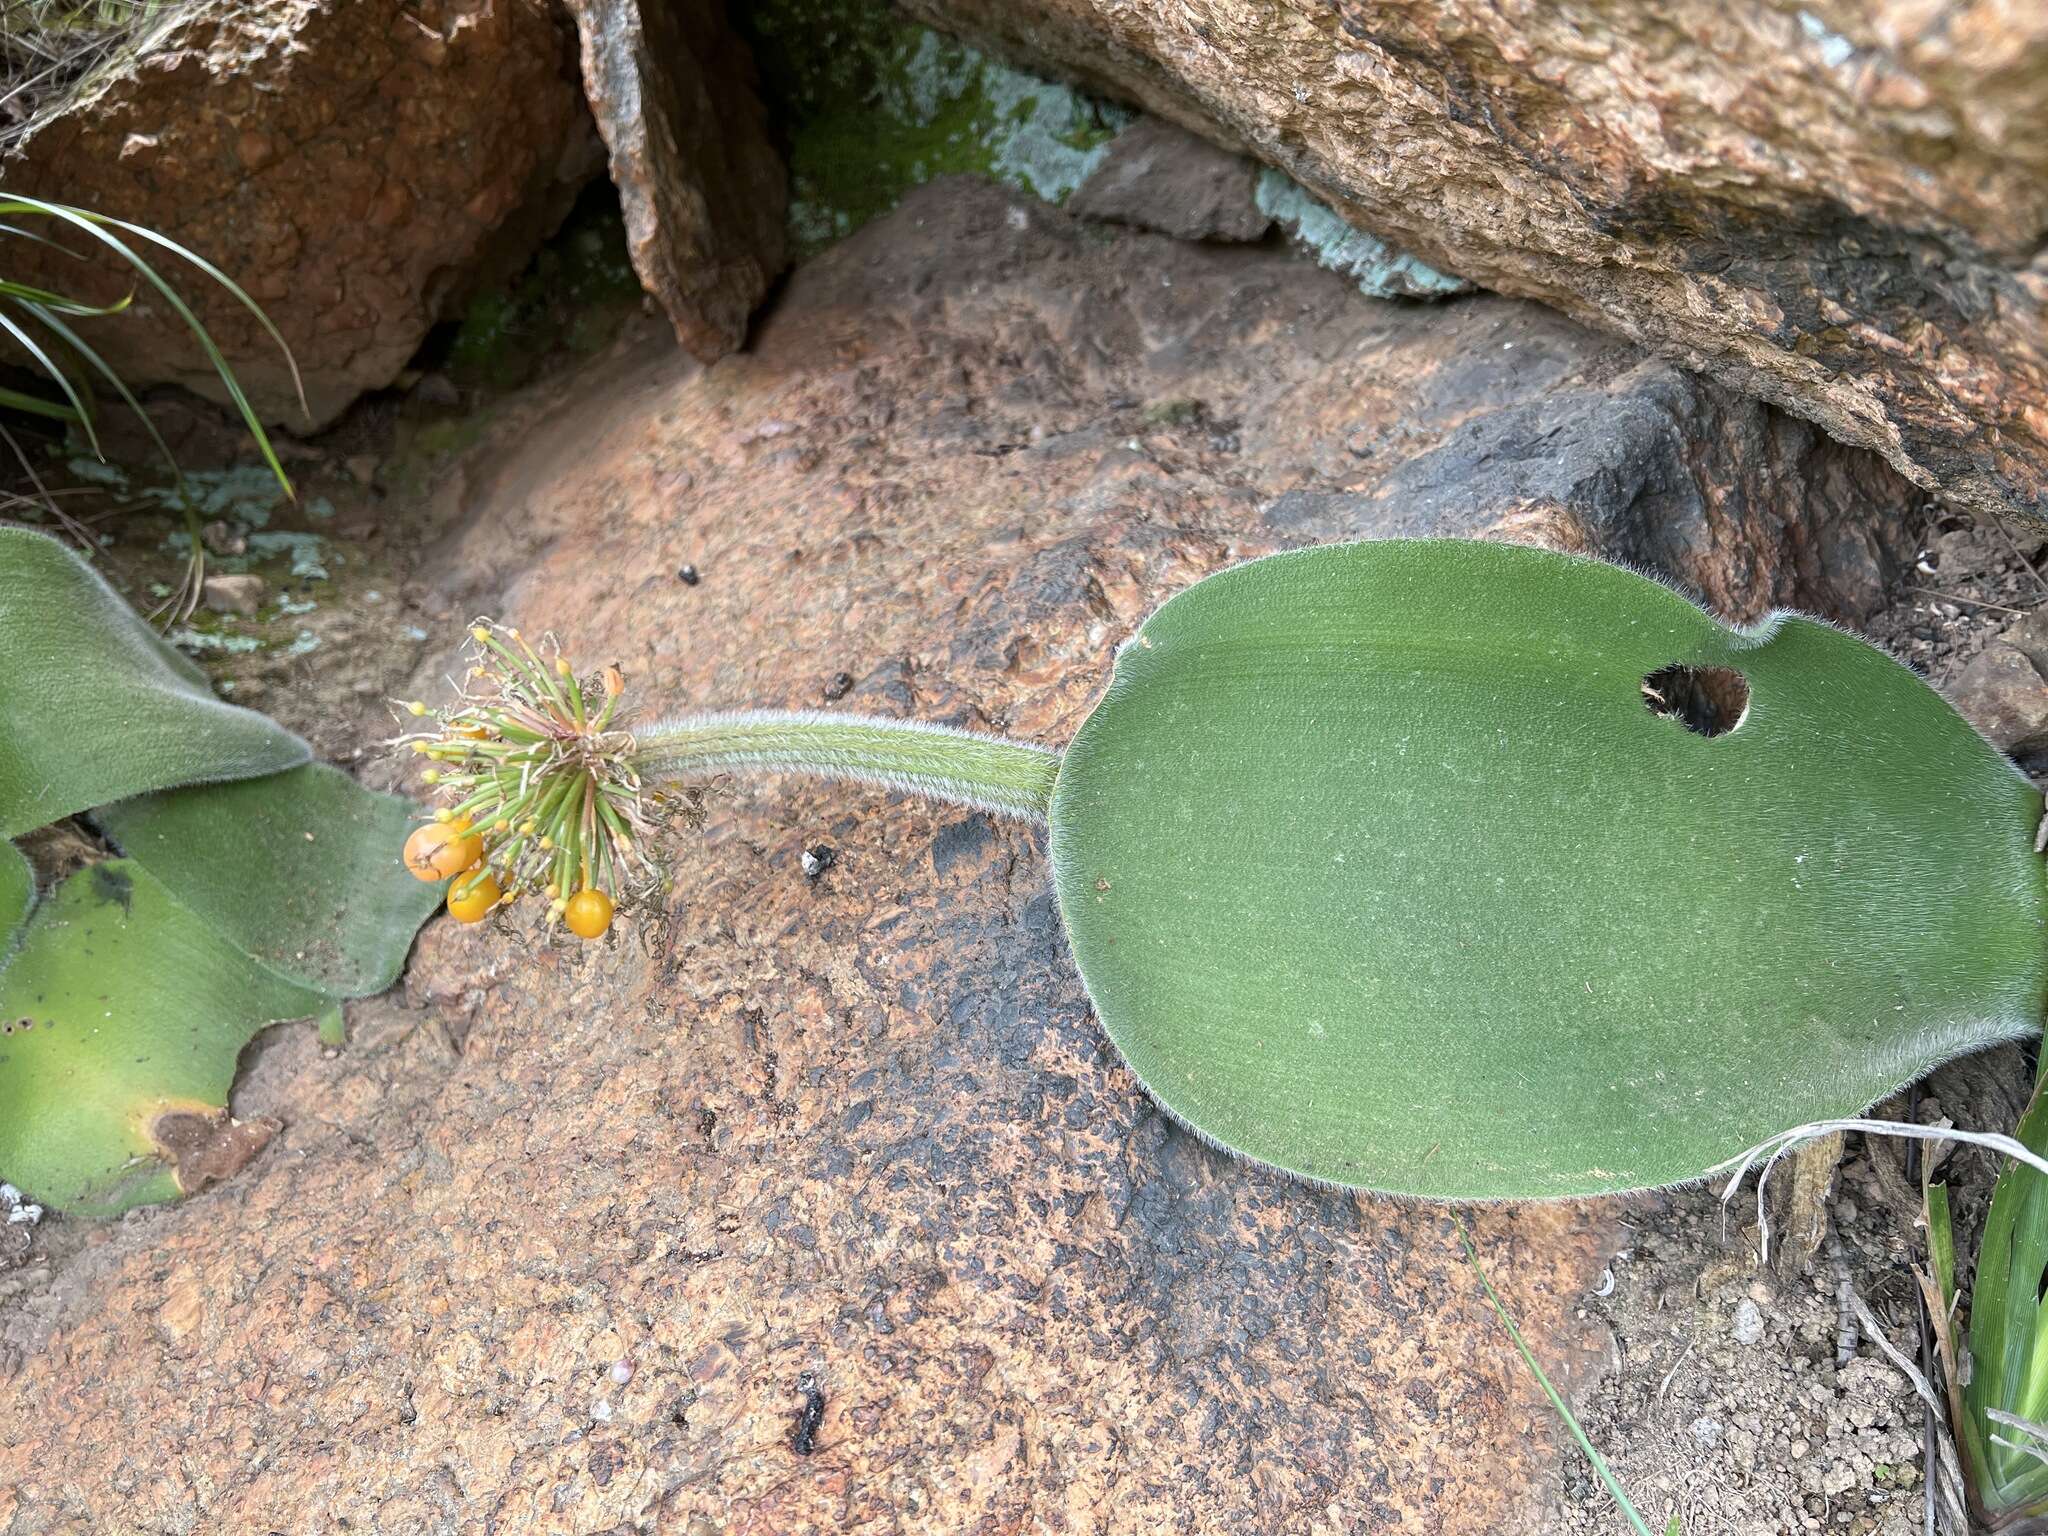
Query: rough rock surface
{"points": [[1840, 209], [863, 1124], [2004, 691], [1159, 177], [702, 189], [351, 166]]}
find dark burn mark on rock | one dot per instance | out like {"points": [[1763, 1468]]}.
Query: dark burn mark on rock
{"points": [[809, 1417], [963, 842]]}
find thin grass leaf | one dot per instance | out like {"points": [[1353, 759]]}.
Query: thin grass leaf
{"points": [[23, 232], [233, 287], [36, 405], [100, 226], [100, 366], [1571, 1422], [28, 295], [185, 601], [63, 380], [1941, 1242]]}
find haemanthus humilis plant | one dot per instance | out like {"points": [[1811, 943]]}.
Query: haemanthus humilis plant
{"points": [[1440, 868]]}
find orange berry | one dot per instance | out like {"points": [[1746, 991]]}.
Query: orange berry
{"points": [[442, 848], [471, 900], [588, 914]]}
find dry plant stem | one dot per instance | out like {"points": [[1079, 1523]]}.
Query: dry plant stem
{"points": [[958, 767], [1782, 1143]]}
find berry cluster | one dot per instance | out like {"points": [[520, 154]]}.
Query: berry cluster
{"points": [[539, 788]]}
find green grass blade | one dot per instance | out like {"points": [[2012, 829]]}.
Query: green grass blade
{"points": [[97, 227], [2009, 1329], [1571, 1422], [23, 232], [234, 288], [99, 365], [58, 301], [1941, 1242], [63, 380], [35, 405]]}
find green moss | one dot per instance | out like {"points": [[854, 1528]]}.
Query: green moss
{"points": [[450, 435], [875, 105], [574, 297]]}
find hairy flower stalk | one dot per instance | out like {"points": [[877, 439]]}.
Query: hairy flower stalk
{"points": [[544, 786]]}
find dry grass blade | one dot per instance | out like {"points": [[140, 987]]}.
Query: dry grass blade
{"points": [[50, 48], [1950, 1483], [1778, 1146]]}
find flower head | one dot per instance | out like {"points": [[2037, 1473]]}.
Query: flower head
{"points": [[539, 789]]}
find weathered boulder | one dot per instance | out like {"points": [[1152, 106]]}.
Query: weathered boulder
{"points": [[351, 166], [861, 1123], [703, 190], [1159, 177], [2004, 692], [1840, 209]]}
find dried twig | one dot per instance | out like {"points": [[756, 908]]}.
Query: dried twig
{"points": [[1974, 602], [1778, 1146]]}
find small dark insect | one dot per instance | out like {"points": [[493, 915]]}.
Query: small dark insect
{"points": [[688, 576], [805, 1440], [840, 686], [817, 860]]}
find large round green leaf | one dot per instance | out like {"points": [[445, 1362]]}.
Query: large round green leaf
{"points": [[1381, 870], [94, 706], [17, 895], [121, 1020], [299, 870]]}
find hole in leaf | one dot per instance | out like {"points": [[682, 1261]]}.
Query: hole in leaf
{"points": [[1708, 701]]}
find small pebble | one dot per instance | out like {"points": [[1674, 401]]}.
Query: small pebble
{"points": [[622, 1371], [817, 860], [1749, 1322], [688, 576], [241, 594], [840, 686]]}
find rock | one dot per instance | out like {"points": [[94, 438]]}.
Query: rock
{"points": [[1838, 209], [1160, 177], [1748, 1326], [436, 388], [2004, 692], [351, 166], [1963, 553], [868, 1126], [233, 594], [224, 538], [701, 186]]}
